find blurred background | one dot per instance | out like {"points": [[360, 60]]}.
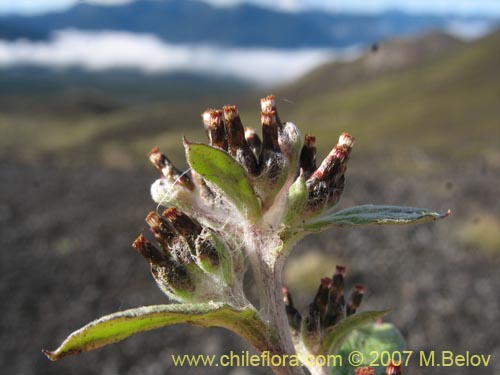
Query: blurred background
{"points": [[88, 88]]}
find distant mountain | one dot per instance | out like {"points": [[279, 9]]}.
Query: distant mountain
{"points": [[387, 57], [440, 100], [186, 21]]}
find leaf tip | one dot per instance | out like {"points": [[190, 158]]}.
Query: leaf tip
{"points": [[448, 213], [50, 355]]}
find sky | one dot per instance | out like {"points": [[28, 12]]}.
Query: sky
{"points": [[465, 7]]}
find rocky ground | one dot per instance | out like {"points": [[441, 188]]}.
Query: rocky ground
{"points": [[66, 259]]}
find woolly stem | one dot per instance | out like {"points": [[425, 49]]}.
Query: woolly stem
{"points": [[267, 265]]}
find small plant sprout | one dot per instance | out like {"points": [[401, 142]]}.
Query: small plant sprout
{"points": [[244, 203]]}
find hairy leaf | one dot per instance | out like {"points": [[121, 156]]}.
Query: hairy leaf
{"points": [[220, 168], [118, 326], [371, 214]]}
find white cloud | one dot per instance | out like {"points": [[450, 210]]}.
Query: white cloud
{"points": [[470, 30], [97, 51]]}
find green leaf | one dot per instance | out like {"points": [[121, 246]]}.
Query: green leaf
{"points": [[335, 336], [378, 344], [371, 214], [220, 168], [118, 326]]}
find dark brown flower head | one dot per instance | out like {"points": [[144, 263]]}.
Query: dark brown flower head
{"points": [[167, 169], [327, 308], [355, 299], [237, 144], [268, 105], [207, 252], [308, 155], [253, 141], [269, 131], [186, 226], [173, 279], [294, 317], [148, 250], [165, 234], [326, 184], [321, 298], [214, 125]]}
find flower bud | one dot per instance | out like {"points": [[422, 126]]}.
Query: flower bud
{"points": [[175, 281], [195, 265], [253, 141], [336, 303], [355, 300], [269, 131], [311, 330], [214, 257], [188, 228], [237, 144], [171, 277], [173, 188], [152, 254], [327, 183], [338, 279], [268, 105], [294, 318], [308, 155], [214, 125], [167, 169], [321, 298], [273, 165], [290, 143], [164, 233]]}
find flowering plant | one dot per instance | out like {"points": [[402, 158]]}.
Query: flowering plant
{"points": [[246, 202]]}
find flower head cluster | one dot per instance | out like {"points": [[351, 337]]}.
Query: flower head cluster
{"points": [[206, 230]]}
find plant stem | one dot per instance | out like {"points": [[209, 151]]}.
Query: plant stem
{"points": [[267, 267]]}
